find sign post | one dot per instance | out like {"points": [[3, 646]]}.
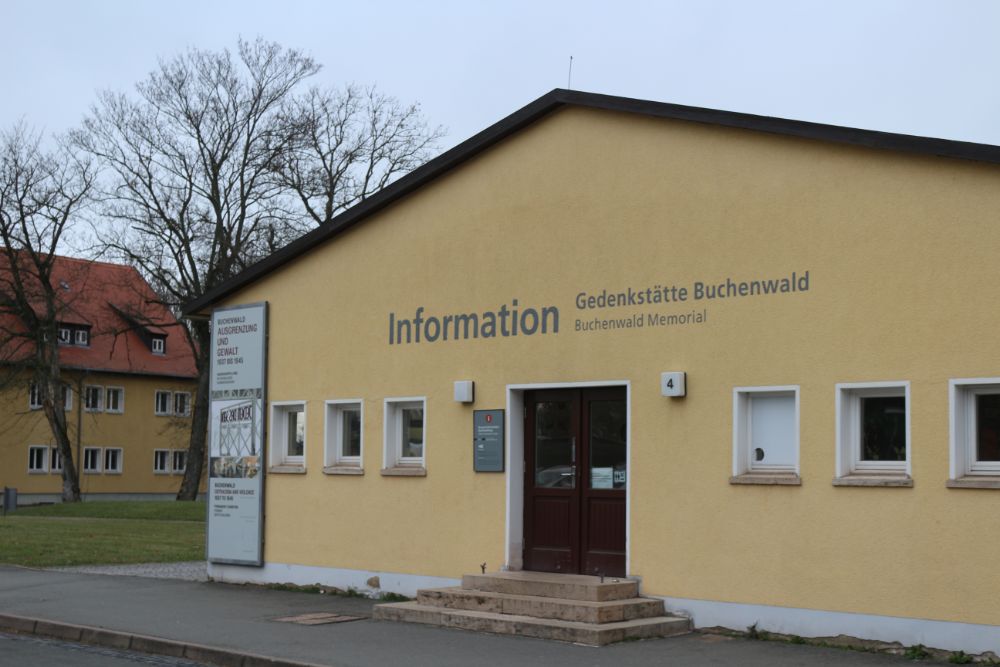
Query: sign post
{"points": [[236, 435]]}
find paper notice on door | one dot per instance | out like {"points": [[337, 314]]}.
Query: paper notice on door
{"points": [[601, 478]]}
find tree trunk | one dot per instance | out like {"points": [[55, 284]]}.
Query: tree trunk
{"points": [[55, 413], [199, 415]]}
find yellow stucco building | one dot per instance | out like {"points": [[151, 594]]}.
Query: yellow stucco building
{"points": [[129, 379], [749, 361]]}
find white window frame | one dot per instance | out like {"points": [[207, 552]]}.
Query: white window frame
{"points": [[64, 335], [392, 415], [333, 421], [158, 345], [167, 462], [962, 416], [281, 461], [174, 468], [100, 460], [169, 403], [849, 395], [55, 460], [121, 400], [67, 397], [81, 337], [32, 470], [34, 397], [100, 398], [121, 463], [186, 412], [743, 460]]}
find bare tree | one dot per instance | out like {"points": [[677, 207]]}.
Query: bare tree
{"points": [[348, 145], [215, 163], [40, 196]]}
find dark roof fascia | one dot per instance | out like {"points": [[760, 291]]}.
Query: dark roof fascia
{"points": [[907, 143], [88, 370], [560, 97]]}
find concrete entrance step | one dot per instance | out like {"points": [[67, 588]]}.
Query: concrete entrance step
{"points": [[550, 585], [583, 611], [593, 634]]}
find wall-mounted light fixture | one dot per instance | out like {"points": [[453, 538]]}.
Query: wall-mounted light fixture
{"points": [[465, 391], [673, 383]]}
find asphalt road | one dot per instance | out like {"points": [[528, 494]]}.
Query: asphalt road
{"points": [[41, 652]]}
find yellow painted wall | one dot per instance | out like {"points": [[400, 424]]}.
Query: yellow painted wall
{"points": [[901, 251], [138, 431]]}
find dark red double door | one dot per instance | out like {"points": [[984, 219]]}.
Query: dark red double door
{"points": [[576, 470]]}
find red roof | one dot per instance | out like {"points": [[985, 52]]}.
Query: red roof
{"points": [[123, 314]]}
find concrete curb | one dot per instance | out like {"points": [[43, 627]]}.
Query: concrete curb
{"points": [[142, 643]]}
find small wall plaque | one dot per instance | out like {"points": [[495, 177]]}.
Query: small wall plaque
{"points": [[487, 440]]}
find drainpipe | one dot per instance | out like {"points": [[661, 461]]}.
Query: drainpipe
{"points": [[79, 429]]}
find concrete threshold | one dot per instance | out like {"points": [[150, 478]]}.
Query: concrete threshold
{"points": [[84, 634]]}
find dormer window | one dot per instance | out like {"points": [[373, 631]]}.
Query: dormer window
{"points": [[81, 337], [65, 335], [159, 344]]}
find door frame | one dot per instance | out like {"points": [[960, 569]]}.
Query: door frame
{"points": [[514, 465]]}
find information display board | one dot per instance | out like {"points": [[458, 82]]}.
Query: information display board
{"points": [[236, 435], [487, 440]]}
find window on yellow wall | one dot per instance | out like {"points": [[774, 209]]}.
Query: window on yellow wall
{"points": [[91, 459], [766, 430], [161, 461], [179, 461], [975, 428], [55, 460], [405, 435], [161, 402], [38, 458], [288, 435], [873, 430], [344, 437], [182, 403], [93, 398], [113, 460], [114, 400]]}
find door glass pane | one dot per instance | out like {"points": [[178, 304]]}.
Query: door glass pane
{"points": [[555, 449], [883, 428], [988, 427], [608, 468]]}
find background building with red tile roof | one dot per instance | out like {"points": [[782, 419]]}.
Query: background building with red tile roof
{"points": [[130, 377]]}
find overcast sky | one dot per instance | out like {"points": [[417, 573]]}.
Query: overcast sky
{"points": [[921, 67]]}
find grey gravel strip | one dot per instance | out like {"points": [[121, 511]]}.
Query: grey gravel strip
{"points": [[187, 571]]}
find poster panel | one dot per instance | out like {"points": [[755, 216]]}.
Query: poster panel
{"points": [[236, 435]]}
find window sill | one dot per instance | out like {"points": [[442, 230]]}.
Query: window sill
{"points": [[974, 482], [404, 471], [287, 469], [874, 480], [343, 470], [767, 478]]}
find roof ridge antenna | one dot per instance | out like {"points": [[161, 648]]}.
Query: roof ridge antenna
{"points": [[569, 77]]}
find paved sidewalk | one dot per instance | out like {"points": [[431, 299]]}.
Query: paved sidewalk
{"points": [[238, 620]]}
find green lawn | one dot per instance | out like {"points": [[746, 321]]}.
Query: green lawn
{"points": [[147, 510], [103, 533]]}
